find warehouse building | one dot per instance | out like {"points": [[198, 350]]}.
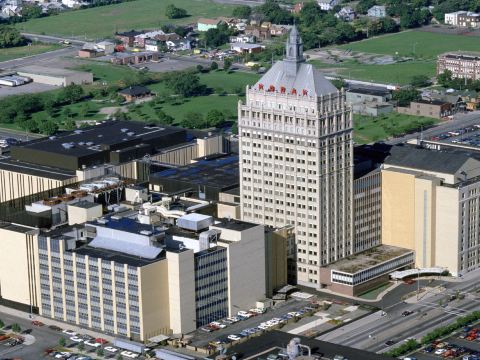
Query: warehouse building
{"points": [[79, 155], [55, 76]]}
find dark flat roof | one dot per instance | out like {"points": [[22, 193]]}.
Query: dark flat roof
{"points": [[369, 91], [221, 173], [85, 204], [237, 225], [13, 227], [423, 159], [259, 344], [123, 224], [36, 170], [135, 90], [106, 136]]}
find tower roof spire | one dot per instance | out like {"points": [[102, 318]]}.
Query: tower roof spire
{"points": [[294, 46]]}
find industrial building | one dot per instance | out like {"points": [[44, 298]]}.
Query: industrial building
{"points": [[463, 65], [83, 154], [55, 76], [429, 204]]}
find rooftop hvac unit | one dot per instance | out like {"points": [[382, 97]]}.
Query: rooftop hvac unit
{"points": [[68, 145], [206, 237], [78, 131], [195, 222], [146, 232], [89, 143], [102, 221], [131, 133], [124, 130]]}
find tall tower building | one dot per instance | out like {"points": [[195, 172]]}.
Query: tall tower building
{"points": [[296, 160]]}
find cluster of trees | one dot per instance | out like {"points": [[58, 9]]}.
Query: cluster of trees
{"points": [[447, 80], [405, 348], [185, 83], [405, 96], [195, 120], [19, 109], [173, 12], [219, 36], [10, 37]]}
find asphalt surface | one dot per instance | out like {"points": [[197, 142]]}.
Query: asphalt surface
{"points": [[371, 333], [40, 59], [458, 121], [22, 136]]}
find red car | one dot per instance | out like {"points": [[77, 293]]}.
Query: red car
{"points": [[37, 323], [101, 341]]}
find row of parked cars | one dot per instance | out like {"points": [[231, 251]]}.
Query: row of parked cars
{"points": [[241, 315], [450, 351], [468, 138], [267, 325]]}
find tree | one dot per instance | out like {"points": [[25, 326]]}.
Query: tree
{"points": [[213, 66], [62, 341], [10, 37], [271, 11], [218, 36], [70, 124], [172, 12], [163, 118], [405, 96], [100, 352], [31, 11], [364, 5], [49, 106], [119, 357], [16, 328], [242, 12], [67, 112], [227, 63], [214, 118], [2, 324], [185, 83], [419, 81], [84, 109], [72, 94], [48, 127], [193, 120], [445, 78]]}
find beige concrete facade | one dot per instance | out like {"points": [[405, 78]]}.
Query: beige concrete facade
{"points": [[439, 221], [18, 261]]}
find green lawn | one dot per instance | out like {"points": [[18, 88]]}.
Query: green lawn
{"points": [[22, 51], [426, 44], [372, 294], [107, 72], [369, 129], [103, 21], [228, 81], [400, 73]]}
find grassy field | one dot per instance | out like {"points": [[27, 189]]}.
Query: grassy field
{"points": [[107, 72], [103, 21], [369, 129], [400, 73], [425, 44], [22, 51]]}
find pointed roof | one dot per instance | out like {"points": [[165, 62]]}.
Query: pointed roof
{"points": [[293, 74]]}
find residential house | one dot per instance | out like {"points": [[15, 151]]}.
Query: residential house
{"points": [[154, 45], [346, 14], [327, 5], [259, 32], [127, 38], [73, 3], [242, 48], [456, 100], [297, 8], [452, 18], [469, 20], [179, 44], [377, 11], [279, 30], [139, 40], [430, 108], [204, 24], [135, 92]]}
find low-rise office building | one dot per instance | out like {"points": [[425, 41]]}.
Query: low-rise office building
{"points": [[462, 65]]}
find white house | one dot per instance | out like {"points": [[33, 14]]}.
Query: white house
{"points": [[346, 13], [452, 18], [327, 5]]}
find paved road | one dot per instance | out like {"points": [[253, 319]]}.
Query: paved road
{"points": [[40, 59], [53, 39], [19, 135], [459, 120], [371, 332]]}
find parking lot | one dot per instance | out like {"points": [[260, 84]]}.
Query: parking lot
{"points": [[201, 338], [30, 88], [467, 136]]}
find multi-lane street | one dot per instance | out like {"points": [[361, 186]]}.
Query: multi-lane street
{"points": [[432, 310]]}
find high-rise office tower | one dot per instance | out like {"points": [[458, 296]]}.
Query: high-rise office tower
{"points": [[296, 160]]}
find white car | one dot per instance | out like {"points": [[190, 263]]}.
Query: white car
{"points": [[62, 355], [69, 332], [111, 349], [217, 324], [234, 337], [440, 351], [294, 313], [244, 314], [258, 310], [77, 339], [129, 354], [263, 326], [92, 343]]}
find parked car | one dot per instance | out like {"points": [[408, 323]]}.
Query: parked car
{"points": [[93, 344], [217, 324], [77, 339], [54, 328], [69, 332], [111, 349], [101, 341], [37, 323], [244, 314]]}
